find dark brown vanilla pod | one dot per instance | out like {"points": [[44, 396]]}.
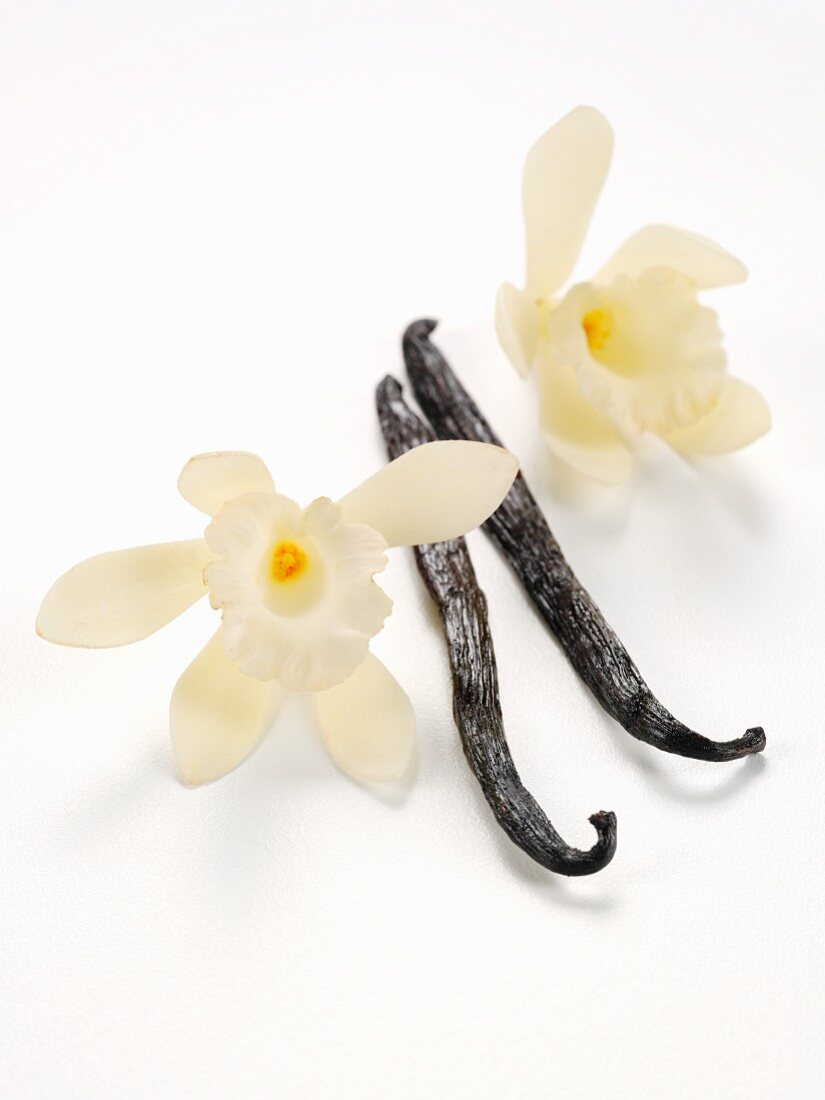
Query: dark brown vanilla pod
{"points": [[450, 578], [522, 534]]}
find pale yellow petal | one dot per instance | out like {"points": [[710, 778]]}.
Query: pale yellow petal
{"points": [[740, 416], [517, 325], [123, 596], [434, 492], [367, 723], [208, 481], [702, 260], [577, 432], [217, 716], [563, 176]]}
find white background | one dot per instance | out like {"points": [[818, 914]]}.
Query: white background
{"points": [[216, 220]]}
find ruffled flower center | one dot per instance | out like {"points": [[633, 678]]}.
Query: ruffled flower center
{"points": [[295, 589], [646, 353]]}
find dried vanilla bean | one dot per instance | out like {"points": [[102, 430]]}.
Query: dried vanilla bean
{"points": [[524, 537], [449, 575]]}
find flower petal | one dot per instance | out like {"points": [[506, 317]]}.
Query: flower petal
{"points": [[517, 325], [563, 176], [434, 492], [368, 723], [217, 716], [739, 416], [576, 431], [702, 260], [123, 596], [208, 481]]}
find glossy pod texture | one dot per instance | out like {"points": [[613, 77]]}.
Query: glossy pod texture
{"points": [[522, 534], [448, 572]]}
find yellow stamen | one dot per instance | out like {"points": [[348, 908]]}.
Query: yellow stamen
{"points": [[288, 561], [597, 325]]}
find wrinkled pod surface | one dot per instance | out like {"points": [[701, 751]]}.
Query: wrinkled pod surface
{"points": [[448, 573], [522, 534]]}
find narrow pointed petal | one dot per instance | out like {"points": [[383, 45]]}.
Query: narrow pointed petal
{"points": [[517, 325], [435, 492], [123, 596], [740, 416], [577, 432], [563, 177], [702, 260], [208, 481], [367, 723], [217, 716]]}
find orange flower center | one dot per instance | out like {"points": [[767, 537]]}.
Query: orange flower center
{"points": [[288, 561], [597, 325]]}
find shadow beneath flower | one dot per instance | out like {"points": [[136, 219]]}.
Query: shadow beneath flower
{"points": [[729, 482], [696, 483], [393, 794], [108, 803], [555, 482], [248, 833], [303, 755]]}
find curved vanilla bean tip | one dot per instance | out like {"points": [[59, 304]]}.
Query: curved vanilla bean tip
{"points": [[448, 573], [521, 532]]}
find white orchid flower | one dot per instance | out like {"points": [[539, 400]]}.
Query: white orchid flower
{"points": [[297, 598], [632, 350]]}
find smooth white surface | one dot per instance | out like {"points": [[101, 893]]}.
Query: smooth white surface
{"points": [[216, 220]]}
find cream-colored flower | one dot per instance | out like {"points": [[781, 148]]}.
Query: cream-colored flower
{"points": [[298, 600], [632, 350]]}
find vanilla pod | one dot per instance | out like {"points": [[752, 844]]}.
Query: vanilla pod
{"points": [[448, 573]]}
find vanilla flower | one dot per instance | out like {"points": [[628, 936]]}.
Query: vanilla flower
{"points": [[298, 600], [632, 350]]}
